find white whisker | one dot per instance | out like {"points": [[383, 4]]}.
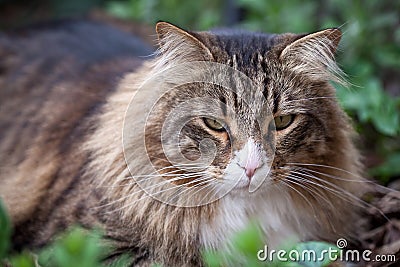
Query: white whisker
{"points": [[309, 187], [146, 189], [287, 183], [338, 191]]}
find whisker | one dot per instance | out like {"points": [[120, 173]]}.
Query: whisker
{"points": [[338, 191], [212, 185], [363, 180], [286, 182], [177, 187], [324, 166], [147, 194], [171, 167], [311, 98], [148, 177], [312, 189], [334, 188], [170, 174], [205, 181], [175, 163], [348, 197], [157, 173], [146, 189]]}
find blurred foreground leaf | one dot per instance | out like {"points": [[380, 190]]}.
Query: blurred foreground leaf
{"points": [[5, 231], [246, 245]]}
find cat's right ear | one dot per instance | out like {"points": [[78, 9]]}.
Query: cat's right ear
{"points": [[313, 54], [177, 43]]}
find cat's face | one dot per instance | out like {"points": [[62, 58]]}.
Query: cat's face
{"points": [[211, 140]]}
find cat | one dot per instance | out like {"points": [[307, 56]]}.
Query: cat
{"points": [[89, 137]]}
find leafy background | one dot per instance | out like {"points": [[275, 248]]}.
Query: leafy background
{"points": [[369, 54]]}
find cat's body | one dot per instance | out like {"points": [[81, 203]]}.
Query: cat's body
{"points": [[62, 158], [54, 79]]}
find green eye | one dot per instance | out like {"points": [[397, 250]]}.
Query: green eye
{"points": [[283, 122], [213, 124]]}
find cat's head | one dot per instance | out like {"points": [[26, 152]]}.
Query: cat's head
{"points": [[246, 111]]}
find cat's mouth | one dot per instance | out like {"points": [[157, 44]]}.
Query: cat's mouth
{"points": [[244, 182]]}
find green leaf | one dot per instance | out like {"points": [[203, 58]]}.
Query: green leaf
{"points": [[23, 260], [389, 168], [325, 253], [213, 258], [119, 9], [75, 248], [386, 119], [248, 241], [5, 231], [372, 104]]}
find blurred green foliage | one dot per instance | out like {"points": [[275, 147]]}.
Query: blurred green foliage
{"points": [[370, 57], [76, 247], [80, 248], [247, 243], [195, 14], [5, 231]]}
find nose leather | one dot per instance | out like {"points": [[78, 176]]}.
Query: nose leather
{"points": [[250, 158], [250, 172]]}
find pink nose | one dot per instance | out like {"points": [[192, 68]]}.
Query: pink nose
{"points": [[250, 171]]}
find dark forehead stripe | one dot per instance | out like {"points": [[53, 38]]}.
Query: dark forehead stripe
{"points": [[246, 52], [244, 45], [222, 101]]}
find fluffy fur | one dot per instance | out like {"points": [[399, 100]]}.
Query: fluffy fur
{"points": [[68, 161]]}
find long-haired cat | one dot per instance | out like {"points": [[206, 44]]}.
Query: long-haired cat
{"points": [[88, 137]]}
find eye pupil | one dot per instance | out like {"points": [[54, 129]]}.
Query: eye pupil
{"points": [[214, 125], [282, 122]]}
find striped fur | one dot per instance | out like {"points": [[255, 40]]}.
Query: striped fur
{"points": [[62, 159]]}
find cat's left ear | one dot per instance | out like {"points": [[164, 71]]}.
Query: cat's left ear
{"points": [[177, 43], [314, 55]]}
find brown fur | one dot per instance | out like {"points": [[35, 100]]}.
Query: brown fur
{"points": [[61, 154]]}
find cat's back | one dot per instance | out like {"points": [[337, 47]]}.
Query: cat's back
{"points": [[53, 78], [63, 52]]}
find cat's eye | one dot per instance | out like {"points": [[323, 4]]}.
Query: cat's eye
{"points": [[282, 122], [213, 124]]}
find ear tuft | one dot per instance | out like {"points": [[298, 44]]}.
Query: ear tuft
{"points": [[164, 29], [313, 55], [177, 43], [329, 37]]}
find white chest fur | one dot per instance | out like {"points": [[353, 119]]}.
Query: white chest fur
{"points": [[274, 213]]}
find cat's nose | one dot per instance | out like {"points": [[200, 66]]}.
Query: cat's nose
{"points": [[250, 171], [250, 158], [251, 166]]}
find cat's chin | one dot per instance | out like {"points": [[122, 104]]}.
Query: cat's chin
{"points": [[242, 184]]}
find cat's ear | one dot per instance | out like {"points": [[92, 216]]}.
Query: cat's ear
{"points": [[314, 55], [177, 43]]}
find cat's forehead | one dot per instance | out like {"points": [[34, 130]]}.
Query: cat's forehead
{"points": [[240, 49], [253, 55]]}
